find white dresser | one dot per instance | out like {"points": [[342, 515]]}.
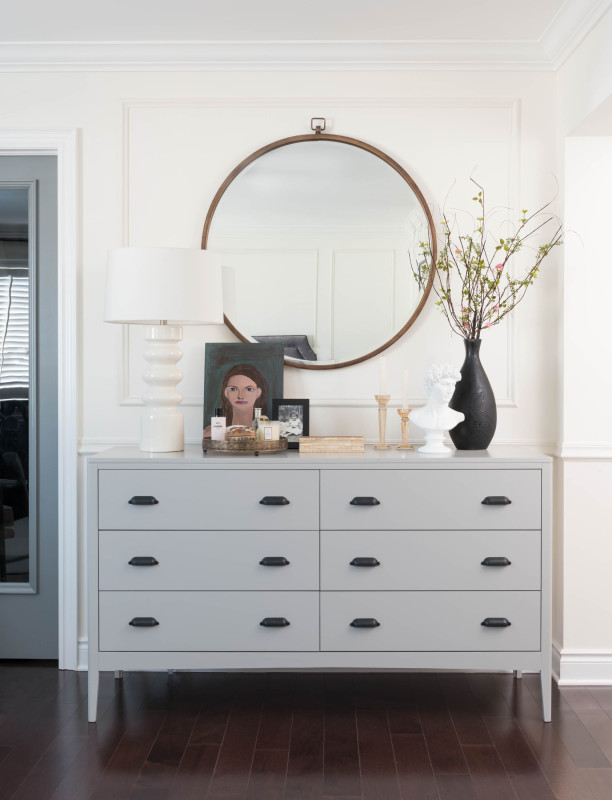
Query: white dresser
{"points": [[381, 560]]}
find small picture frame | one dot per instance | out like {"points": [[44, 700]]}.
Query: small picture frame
{"points": [[293, 416]]}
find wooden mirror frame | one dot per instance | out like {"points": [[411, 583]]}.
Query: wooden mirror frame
{"points": [[388, 160]]}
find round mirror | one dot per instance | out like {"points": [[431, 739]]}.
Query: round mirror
{"points": [[320, 238]]}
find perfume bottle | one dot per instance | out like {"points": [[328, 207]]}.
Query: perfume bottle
{"points": [[256, 418], [217, 426]]}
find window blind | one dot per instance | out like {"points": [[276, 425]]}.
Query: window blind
{"points": [[14, 336]]}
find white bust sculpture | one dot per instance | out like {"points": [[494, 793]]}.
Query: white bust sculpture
{"points": [[436, 417]]}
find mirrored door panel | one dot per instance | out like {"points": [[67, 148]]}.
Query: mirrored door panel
{"points": [[17, 517]]}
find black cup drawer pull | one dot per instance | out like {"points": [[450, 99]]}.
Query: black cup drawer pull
{"points": [[365, 622], [496, 500], [365, 501], [274, 561], [272, 500], [496, 561], [496, 622], [144, 622], [274, 622], [365, 561], [143, 561], [143, 500]]}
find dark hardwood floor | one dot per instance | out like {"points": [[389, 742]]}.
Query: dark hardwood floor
{"points": [[254, 736]]}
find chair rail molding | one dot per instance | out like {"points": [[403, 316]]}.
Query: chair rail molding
{"points": [[65, 144]]}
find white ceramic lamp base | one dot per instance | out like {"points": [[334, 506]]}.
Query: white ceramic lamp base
{"points": [[162, 426]]}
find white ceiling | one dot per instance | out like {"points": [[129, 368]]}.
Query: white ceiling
{"points": [[276, 20], [343, 34]]}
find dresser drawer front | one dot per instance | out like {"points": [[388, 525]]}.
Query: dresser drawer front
{"points": [[430, 621], [208, 621], [207, 499], [448, 499], [206, 560], [409, 560]]}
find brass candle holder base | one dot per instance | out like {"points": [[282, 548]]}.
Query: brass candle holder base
{"points": [[404, 413], [382, 400]]}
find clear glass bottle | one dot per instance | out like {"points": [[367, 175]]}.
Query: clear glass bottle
{"points": [[256, 418]]}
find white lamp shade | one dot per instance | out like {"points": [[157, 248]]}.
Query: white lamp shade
{"points": [[146, 285]]}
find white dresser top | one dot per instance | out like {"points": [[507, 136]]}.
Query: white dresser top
{"points": [[192, 456]]}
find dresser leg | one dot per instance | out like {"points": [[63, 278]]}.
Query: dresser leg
{"points": [[546, 683], [93, 681], [518, 673]]}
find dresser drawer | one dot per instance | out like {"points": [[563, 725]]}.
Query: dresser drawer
{"points": [[207, 499], [208, 621], [188, 560], [430, 621], [430, 560], [430, 499]]}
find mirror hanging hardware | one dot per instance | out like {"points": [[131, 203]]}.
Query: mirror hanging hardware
{"points": [[317, 128]]}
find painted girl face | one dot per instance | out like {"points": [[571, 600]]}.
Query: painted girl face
{"points": [[242, 392]]}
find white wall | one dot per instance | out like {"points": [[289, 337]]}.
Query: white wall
{"points": [[155, 148], [583, 546]]}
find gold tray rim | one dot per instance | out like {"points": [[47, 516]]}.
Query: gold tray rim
{"points": [[245, 447]]}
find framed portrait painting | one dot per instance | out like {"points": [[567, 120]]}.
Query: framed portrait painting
{"points": [[293, 416], [239, 378]]}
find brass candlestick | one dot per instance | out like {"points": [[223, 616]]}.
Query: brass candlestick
{"points": [[382, 400], [404, 412]]}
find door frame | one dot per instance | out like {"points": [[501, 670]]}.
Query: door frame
{"points": [[64, 144]]}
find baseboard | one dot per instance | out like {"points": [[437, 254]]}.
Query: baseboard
{"points": [[573, 667]]}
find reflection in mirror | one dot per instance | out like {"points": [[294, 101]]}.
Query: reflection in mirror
{"points": [[320, 237], [14, 384]]}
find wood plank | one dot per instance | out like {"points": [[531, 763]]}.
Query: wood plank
{"points": [[583, 749], [195, 771], [526, 777], [440, 736], [456, 787], [116, 711], [128, 759], [563, 775], [414, 771], [305, 767], [489, 777], [378, 774], [465, 715], [341, 751], [596, 721], [268, 775], [600, 782], [233, 768], [160, 768]]}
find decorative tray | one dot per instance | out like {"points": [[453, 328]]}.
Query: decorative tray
{"points": [[245, 446]]}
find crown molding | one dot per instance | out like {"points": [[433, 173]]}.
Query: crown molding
{"points": [[569, 27], [564, 33], [271, 56]]}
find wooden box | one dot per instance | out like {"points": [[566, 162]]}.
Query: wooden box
{"points": [[332, 444]]}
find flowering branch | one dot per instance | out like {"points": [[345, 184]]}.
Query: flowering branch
{"points": [[473, 286]]}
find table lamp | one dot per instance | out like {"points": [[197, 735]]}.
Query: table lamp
{"points": [[163, 288]]}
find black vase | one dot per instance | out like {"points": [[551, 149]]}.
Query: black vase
{"points": [[473, 397]]}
